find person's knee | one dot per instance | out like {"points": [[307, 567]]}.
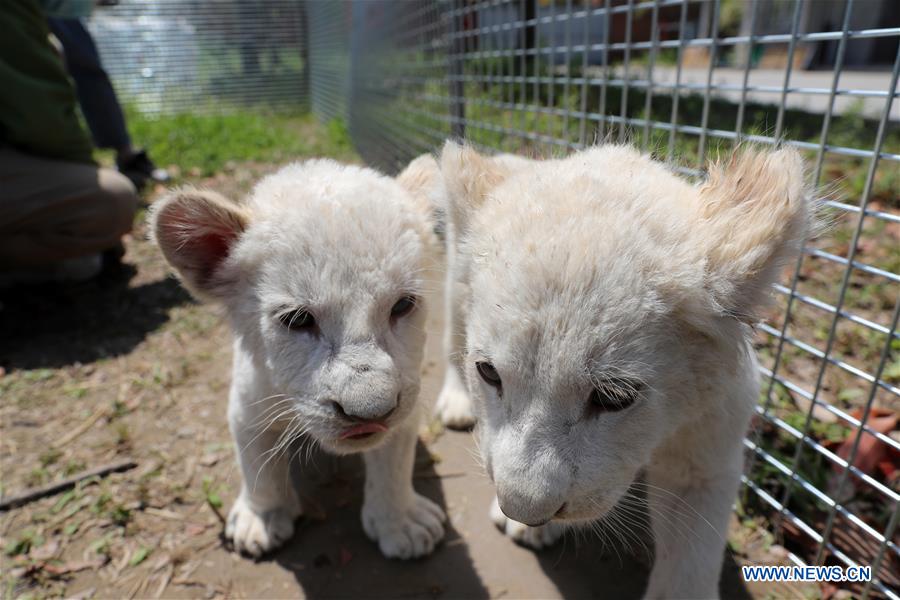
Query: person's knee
{"points": [[119, 193]]}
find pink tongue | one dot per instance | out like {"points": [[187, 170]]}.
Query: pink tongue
{"points": [[362, 429]]}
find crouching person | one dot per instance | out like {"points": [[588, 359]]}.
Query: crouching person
{"points": [[60, 213]]}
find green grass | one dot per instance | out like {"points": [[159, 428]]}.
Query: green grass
{"points": [[203, 144], [849, 128]]}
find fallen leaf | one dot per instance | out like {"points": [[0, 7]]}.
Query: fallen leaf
{"points": [[345, 557], [195, 528], [873, 457], [73, 567], [139, 556]]}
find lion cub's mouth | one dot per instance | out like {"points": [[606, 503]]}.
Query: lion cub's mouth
{"points": [[363, 430]]}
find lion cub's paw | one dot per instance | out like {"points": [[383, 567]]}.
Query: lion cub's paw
{"points": [[410, 533], [454, 407], [257, 533], [532, 537]]}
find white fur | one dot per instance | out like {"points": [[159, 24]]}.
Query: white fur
{"points": [[344, 243], [605, 271], [453, 406]]}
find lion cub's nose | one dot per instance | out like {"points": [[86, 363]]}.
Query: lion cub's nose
{"points": [[368, 411], [528, 509]]}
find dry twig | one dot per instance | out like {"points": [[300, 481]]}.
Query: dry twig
{"points": [[59, 486]]}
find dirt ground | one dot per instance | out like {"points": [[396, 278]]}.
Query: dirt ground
{"points": [[130, 367]]}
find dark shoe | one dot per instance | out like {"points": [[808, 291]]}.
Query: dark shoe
{"points": [[139, 169], [112, 257]]}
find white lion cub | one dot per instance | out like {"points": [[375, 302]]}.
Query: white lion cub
{"points": [[607, 308], [321, 275]]}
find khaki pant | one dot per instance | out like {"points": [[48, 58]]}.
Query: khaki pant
{"points": [[51, 210]]}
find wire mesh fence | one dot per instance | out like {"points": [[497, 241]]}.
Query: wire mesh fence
{"points": [[687, 80], [683, 79], [169, 56], [329, 34]]}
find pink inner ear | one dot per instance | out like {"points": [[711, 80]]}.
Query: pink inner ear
{"points": [[214, 245], [211, 249], [198, 253]]}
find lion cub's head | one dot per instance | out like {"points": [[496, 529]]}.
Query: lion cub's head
{"points": [[321, 273], [607, 308]]}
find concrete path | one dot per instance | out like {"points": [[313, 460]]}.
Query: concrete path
{"points": [[330, 557], [772, 80]]}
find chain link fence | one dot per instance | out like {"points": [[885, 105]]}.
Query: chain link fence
{"points": [[329, 34], [687, 80], [683, 79], [170, 56]]}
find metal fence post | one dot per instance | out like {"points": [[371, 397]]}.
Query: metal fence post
{"points": [[455, 64], [304, 55]]}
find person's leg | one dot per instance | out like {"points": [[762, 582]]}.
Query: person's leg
{"points": [[96, 95], [99, 103], [51, 210]]}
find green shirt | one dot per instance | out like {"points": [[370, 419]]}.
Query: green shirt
{"points": [[38, 106]]}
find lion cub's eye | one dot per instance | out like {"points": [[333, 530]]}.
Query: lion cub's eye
{"points": [[489, 374], [613, 396], [403, 307], [298, 320]]}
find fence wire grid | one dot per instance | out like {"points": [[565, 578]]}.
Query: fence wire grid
{"points": [[169, 56], [686, 80], [682, 79]]}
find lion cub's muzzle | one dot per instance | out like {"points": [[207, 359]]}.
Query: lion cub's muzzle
{"points": [[359, 421], [364, 396], [366, 425], [528, 509]]}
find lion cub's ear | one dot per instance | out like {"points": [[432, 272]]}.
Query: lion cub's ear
{"points": [[755, 214], [422, 179], [468, 179], [196, 231]]}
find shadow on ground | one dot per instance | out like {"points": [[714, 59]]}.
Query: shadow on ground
{"points": [[590, 569], [611, 565], [50, 326], [331, 557]]}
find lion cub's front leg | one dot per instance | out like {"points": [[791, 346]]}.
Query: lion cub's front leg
{"points": [[454, 406], [404, 523], [689, 515], [263, 515]]}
